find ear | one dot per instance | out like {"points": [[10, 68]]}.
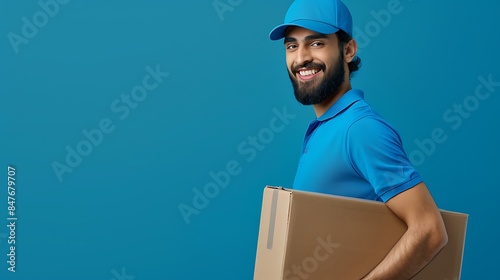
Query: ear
{"points": [[350, 50]]}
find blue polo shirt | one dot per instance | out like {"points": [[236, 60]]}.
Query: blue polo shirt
{"points": [[351, 151]]}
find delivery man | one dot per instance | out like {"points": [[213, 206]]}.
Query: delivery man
{"points": [[349, 149]]}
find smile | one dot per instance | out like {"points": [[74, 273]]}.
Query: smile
{"points": [[308, 74]]}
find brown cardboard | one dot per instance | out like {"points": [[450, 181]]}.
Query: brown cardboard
{"points": [[313, 236]]}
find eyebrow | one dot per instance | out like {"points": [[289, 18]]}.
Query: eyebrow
{"points": [[307, 38]]}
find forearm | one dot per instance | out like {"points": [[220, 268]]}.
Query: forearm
{"points": [[416, 248]]}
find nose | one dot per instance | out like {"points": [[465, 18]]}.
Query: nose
{"points": [[303, 55]]}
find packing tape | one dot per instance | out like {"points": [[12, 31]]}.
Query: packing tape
{"points": [[272, 220]]}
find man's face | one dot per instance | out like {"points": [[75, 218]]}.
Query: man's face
{"points": [[315, 65]]}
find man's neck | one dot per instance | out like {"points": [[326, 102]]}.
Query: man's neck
{"points": [[321, 108]]}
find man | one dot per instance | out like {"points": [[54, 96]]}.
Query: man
{"points": [[349, 149]]}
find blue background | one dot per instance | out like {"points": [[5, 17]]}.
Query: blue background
{"points": [[117, 212]]}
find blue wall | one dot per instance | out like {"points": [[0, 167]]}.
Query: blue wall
{"points": [[115, 114]]}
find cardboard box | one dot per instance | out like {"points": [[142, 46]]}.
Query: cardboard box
{"points": [[314, 236]]}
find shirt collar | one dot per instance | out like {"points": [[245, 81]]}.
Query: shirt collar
{"points": [[340, 105]]}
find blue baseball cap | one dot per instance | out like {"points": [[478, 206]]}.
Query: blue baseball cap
{"points": [[321, 16]]}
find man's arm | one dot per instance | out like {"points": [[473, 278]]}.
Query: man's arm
{"points": [[425, 237]]}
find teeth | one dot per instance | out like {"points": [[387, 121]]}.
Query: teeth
{"points": [[308, 72]]}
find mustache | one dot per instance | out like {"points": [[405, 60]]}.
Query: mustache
{"points": [[309, 65]]}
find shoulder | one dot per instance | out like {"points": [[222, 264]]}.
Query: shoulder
{"points": [[371, 138], [371, 127]]}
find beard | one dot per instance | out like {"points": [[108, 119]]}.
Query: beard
{"points": [[309, 93]]}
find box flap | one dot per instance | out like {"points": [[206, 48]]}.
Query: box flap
{"points": [[273, 231]]}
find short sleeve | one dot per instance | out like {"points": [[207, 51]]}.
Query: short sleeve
{"points": [[376, 153]]}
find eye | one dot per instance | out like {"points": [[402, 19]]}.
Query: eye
{"points": [[291, 46], [317, 44]]}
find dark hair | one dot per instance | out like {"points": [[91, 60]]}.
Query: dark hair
{"points": [[355, 64]]}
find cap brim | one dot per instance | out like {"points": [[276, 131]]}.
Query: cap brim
{"points": [[279, 31]]}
